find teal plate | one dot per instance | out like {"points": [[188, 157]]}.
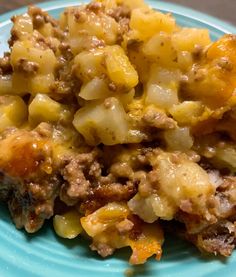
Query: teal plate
{"points": [[45, 255]]}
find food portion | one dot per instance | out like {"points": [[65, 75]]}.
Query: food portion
{"points": [[121, 126]]}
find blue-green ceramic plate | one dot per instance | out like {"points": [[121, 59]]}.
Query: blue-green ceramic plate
{"points": [[45, 255]]}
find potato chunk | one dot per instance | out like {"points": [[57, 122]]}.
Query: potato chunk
{"points": [[102, 122], [67, 225], [95, 89], [156, 22], [159, 48], [13, 111], [188, 38], [88, 64], [33, 68], [178, 139], [163, 98], [45, 109], [183, 179], [119, 68], [45, 59]]}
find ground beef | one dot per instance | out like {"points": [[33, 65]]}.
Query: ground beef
{"points": [[5, 64], [78, 178], [216, 239], [40, 17], [31, 203], [84, 181], [158, 119], [103, 249], [27, 67], [120, 12]]}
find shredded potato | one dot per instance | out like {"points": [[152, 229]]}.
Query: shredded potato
{"points": [[114, 119]]}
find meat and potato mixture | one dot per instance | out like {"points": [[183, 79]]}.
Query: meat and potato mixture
{"points": [[120, 124]]}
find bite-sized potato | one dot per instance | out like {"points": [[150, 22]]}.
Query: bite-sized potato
{"points": [[184, 60], [164, 76], [156, 22], [95, 89], [183, 179], [67, 225], [187, 112], [99, 25], [46, 30], [102, 122], [45, 109], [178, 139], [13, 111], [23, 26], [163, 98], [160, 49], [41, 61], [119, 68], [179, 179], [152, 208], [187, 39], [33, 68], [89, 64], [6, 84], [225, 157]]}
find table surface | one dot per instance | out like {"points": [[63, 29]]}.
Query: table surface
{"points": [[224, 9]]}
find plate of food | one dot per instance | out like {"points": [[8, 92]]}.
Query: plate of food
{"points": [[117, 141]]}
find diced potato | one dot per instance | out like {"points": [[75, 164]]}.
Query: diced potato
{"points": [[156, 22], [45, 109], [101, 26], [46, 30], [160, 49], [45, 59], [225, 157], [142, 207], [184, 60], [140, 62], [88, 64], [41, 83], [20, 83], [102, 122], [178, 139], [126, 98], [67, 225], [167, 77], [187, 39], [6, 85], [183, 180], [95, 89], [119, 68], [23, 26], [187, 112], [13, 111], [163, 98]]}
